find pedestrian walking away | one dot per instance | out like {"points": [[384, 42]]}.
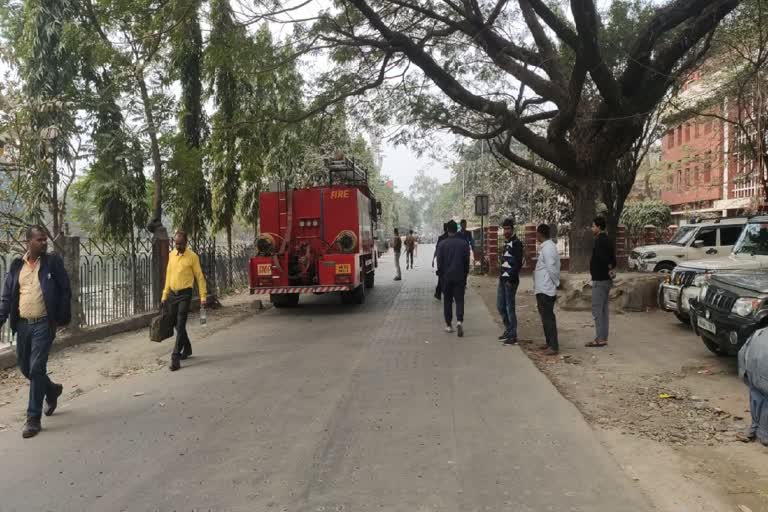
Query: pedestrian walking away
{"points": [[509, 280], [601, 267], [453, 265], [397, 245], [439, 287], [410, 248], [546, 280], [183, 271], [467, 235], [36, 299]]}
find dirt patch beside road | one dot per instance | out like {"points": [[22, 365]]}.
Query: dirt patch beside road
{"points": [[667, 408], [94, 366]]}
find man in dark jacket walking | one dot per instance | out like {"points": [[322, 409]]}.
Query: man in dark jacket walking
{"points": [[509, 280], [439, 287], [36, 298], [601, 266], [453, 265]]}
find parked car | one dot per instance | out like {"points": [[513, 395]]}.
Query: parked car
{"points": [[730, 308], [708, 239], [685, 282]]}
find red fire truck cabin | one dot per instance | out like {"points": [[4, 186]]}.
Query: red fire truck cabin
{"points": [[317, 240]]}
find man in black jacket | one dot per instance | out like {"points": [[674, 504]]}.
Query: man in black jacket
{"points": [[36, 298], [439, 287], [453, 265], [601, 266]]}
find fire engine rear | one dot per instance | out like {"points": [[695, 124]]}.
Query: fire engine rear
{"points": [[317, 240]]}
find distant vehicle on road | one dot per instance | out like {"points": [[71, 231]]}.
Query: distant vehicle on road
{"points": [[708, 239]]}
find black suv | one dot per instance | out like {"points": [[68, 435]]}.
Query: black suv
{"points": [[729, 309]]}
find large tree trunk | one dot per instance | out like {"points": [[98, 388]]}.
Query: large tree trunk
{"points": [[581, 236]]}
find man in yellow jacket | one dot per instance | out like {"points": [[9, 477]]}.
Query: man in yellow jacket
{"points": [[183, 270]]}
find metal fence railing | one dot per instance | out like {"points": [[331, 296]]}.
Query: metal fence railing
{"points": [[116, 280], [114, 287]]}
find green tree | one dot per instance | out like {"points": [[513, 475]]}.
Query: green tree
{"points": [[44, 135], [572, 90], [189, 197]]}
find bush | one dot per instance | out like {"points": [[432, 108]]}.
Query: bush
{"points": [[646, 213]]}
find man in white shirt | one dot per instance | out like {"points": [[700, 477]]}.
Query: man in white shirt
{"points": [[546, 281]]}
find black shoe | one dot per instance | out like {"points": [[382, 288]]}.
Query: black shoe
{"points": [[175, 363], [31, 428], [510, 341], [186, 353], [460, 330], [51, 401], [503, 337]]}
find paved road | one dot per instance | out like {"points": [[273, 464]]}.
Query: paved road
{"points": [[326, 408]]}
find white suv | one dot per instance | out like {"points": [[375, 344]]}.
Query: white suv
{"points": [[688, 279], [708, 239]]}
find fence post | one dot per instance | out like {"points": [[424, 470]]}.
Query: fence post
{"points": [[160, 250], [70, 247]]}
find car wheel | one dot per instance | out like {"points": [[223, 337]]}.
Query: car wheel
{"points": [[664, 268], [685, 319], [714, 347]]}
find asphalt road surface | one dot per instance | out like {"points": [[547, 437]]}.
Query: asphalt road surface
{"points": [[326, 408]]}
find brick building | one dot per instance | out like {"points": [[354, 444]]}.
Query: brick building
{"points": [[703, 170]]}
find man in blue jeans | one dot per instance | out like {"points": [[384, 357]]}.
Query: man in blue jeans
{"points": [[36, 298], [511, 259]]}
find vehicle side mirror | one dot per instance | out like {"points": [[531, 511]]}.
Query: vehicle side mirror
{"points": [[698, 244]]}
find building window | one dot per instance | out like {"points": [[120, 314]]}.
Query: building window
{"points": [[687, 179], [746, 176], [670, 182], [708, 127], [696, 176], [707, 173], [679, 135], [670, 139], [696, 130], [687, 133], [679, 180]]}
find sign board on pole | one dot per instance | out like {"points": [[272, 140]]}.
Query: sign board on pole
{"points": [[481, 205]]}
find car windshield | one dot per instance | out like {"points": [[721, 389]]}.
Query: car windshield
{"points": [[753, 240], [683, 236]]}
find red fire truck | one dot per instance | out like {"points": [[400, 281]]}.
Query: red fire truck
{"points": [[318, 240]]}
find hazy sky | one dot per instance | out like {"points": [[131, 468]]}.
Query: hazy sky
{"points": [[401, 163]]}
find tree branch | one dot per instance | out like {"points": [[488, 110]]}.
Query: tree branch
{"points": [[546, 172], [564, 31]]}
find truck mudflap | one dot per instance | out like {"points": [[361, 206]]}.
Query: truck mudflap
{"points": [[301, 289]]}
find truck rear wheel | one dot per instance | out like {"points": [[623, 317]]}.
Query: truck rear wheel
{"points": [[356, 296], [285, 300], [369, 280]]}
